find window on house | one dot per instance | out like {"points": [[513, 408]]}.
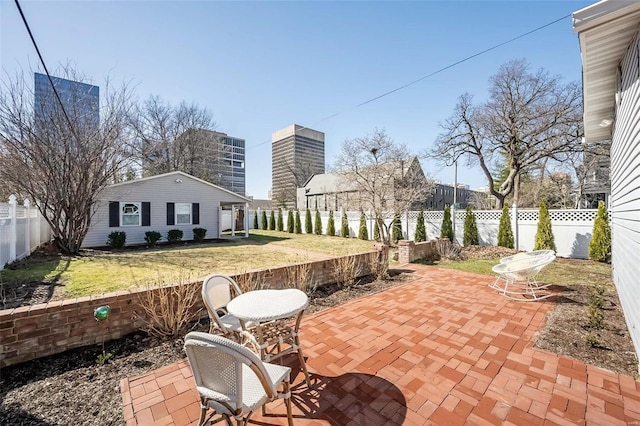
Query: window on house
{"points": [[183, 213], [130, 214]]}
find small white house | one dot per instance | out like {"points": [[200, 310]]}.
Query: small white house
{"points": [[609, 34], [160, 203]]}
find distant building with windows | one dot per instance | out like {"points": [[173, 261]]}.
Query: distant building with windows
{"points": [[81, 102], [297, 153], [442, 196]]}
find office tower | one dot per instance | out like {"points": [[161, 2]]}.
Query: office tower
{"points": [[297, 153], [81, 103]]}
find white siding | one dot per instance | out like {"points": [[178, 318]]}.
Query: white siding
{"points": [[159, 191], [625, 191]]}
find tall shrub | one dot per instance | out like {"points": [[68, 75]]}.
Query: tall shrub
{"points": [[272, 221], [470, 229], [280, 223], [544, 235], [264, 220], [308, 227], [600, 245], [298, 223], [344, 229], [421, 231], [363, 232], [396, 229], [255, 220], [376, 231], [505, 234], [317, 227], [290, 224], [447, 227], [331, 226]]}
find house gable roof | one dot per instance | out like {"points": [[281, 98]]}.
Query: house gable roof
{"points": [[238, 197]]}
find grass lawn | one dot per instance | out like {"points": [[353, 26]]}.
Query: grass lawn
{"points": [[101, 272]]}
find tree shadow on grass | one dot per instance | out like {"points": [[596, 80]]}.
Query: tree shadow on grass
{"points": [[31, 281]]}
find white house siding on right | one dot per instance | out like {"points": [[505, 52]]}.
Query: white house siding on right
{"points": [[625, 190], [158, 191]]}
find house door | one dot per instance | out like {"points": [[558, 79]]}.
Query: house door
{"points": [[240, 220]]}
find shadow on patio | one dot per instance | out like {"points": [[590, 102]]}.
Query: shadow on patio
{"points": [[443, 349]]}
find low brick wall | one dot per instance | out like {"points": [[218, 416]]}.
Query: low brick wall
{"points": [[408, 251], [31, 332]]}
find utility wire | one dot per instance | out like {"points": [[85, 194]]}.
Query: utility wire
{"points": [[404, 86], [55, 91]]}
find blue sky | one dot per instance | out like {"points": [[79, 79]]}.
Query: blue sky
{"points": [[261, 66]]}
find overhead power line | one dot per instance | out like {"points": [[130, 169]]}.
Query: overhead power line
{"points": [[404, 86]]}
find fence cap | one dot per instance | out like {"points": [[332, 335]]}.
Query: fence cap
{"points": [[12, 199]]}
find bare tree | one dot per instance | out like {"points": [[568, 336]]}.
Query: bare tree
{"points": [[528, 117], [382, 176], [169, 138], [62, 159], [297, 175]]}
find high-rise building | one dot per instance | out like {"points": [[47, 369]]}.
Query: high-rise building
{"points": [[81, 102], [215, 157], [297, 153]]}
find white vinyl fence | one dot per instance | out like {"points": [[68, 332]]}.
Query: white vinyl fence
{"points": [[572, 229], [22, 230]]}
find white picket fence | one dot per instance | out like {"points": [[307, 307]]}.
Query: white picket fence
{"points": [[572, 229], [22, 230]]}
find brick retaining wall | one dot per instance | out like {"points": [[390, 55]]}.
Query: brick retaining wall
{"points": [[36, 331], [408, 251]]}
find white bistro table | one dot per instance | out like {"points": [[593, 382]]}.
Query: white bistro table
{"points": [[277, 315]]}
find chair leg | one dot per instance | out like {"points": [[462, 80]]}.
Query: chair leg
{"points": [[303, 365], [203, 413], [287, 402]]}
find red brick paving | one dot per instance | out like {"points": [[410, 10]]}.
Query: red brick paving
{"points": [[443, 349]]}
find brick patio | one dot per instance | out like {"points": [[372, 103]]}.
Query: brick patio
{"points": [[443, 349]]}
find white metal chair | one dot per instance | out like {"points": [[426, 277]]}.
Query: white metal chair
{"points": [[232, 380], [217, 291], [519, 275]]}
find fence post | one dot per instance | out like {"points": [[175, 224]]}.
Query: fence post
{"points": [[370, 229], [406, 219], [12, 228], [27, 234], [453, 223], [514, 225]]}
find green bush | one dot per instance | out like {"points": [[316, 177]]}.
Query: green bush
{"points": [[505, 235], [264, 220], [280, 223], [318, 225], [363, 232], [255, 220], [290, 224], [421, 231], [600, 245], [272, 221], [117, 239], [198, 234], [331, 226], [376, 231], [308, 227], [470, 229], [298, 223], [447, 227], [152, 237], [344, 229], [396, 229], [174, 235], [544, 235]]}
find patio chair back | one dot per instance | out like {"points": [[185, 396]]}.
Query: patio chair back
{"points": [[217, 292]]}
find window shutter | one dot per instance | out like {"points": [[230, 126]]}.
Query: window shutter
{"points": [[195, 213], [146, 213], [171, 216], [114, 214]]}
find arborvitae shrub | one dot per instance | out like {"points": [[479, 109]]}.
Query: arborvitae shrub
{"points": [[280, 223], [421, 232], [344, 229], [544, 235], [600, 245], [447, 226], [272, 221], [376, 231], [264, 220], [255, 220], [198, 234], [308, 227], [117, 239], [505, 235], [331, 226], [317, 226], [396, 229], [363, 232], [298, 223], [470, 229], [290, 224]]}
